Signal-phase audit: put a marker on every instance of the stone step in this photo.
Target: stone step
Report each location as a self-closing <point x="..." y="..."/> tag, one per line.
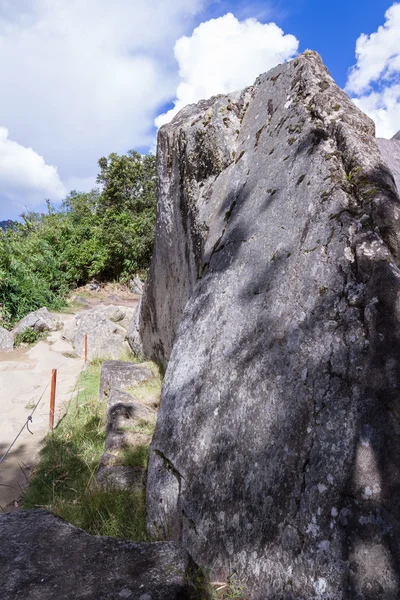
<point x="121" y="375"/>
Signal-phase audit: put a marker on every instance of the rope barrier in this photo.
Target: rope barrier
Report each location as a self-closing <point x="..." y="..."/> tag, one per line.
<point x="29" y="418"/>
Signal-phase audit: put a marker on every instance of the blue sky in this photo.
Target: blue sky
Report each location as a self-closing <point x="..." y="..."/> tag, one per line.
<point x="82" y="79"/>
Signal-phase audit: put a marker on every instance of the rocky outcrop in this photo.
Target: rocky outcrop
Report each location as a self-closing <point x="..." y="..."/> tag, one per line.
<point x="39" y="320"/>
<point x="6" y="340"/>
<point x="390" y="150"/>
<point x="273" y="297"/>
<point x="43" y="558"/>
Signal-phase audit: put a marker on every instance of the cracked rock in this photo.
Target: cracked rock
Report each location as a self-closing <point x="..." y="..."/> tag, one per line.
<point x="273" y="301"/>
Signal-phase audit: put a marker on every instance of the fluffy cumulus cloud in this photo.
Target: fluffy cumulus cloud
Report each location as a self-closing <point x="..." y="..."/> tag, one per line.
<point x="80" y="79"/>
<point x="23" y="171"/>
<point x="225" y="54"/>
<point x="375" y="79"/>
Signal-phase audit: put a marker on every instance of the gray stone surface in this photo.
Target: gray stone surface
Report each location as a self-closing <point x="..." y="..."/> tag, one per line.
<point x="120" y="375"/>
<point x="276" y="282"/>
<point x="69" y="332"/>
<point x="396" y="136"/>
<point x="133" y="335"/>
<point x="136" y="285"/>
<point x="114" y="313"/>
<point x="6" y="340"/>
<point x="45" y="558"/>
<point x="39" y="320"/>
<point x="390" y="150"/>
<point x="105" y="338"/>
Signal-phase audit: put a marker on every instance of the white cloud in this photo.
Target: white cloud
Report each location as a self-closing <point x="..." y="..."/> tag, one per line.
<point x="80" y="79"/>
<point x="223" y="55"/>
<point x="375" y="77"/>
<point x="24" y="171"/>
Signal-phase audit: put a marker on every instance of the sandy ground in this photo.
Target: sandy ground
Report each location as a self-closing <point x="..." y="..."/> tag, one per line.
<point x="24" y="383"/>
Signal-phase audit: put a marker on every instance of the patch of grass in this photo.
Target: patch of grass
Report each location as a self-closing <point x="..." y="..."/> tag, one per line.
<point x="136" y="456"/>
<point x="141" y="426"/>
<point x="128" y="356"/>
<point x="148" y="392"/>
<point x="65" y="478"/>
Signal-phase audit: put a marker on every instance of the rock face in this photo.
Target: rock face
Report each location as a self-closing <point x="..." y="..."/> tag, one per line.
<point x="390" y="150"/>
<point x="43" y="558"/>
<point x="39" y="320"/>
<point x="274" y="297"/>
<point x="6" y="340"/>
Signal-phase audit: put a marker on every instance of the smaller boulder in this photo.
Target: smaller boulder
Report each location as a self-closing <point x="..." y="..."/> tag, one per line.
<point x="121" y="375"/>
<point x="114" y="313"/>
<point x="43" y="558"/>
<point x="6" y="340"/>
<point x="69" y="332"/>
<point x="105" y="338"/>
<point x="39" y="320"/>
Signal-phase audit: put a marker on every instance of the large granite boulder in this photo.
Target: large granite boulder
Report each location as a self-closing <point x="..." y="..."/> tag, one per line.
<point x="39" y="320"/>
<point x="274" y="298"/>
<point x="45" y="558"/>
<point x="6" y="340"/>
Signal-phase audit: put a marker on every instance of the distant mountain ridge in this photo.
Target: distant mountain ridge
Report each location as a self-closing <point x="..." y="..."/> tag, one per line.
<point x="6" y="224"/>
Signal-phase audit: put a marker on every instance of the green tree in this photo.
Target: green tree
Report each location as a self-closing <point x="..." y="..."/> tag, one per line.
<point x="106" y="234"/>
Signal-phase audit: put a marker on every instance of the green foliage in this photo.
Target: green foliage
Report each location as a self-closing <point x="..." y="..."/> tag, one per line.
<point x="105" y="234"/>
<point x="27" y="336"/>
<point x="64" y="481"/>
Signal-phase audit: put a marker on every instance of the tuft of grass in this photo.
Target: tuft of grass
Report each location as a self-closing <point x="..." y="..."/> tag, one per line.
<point x="141" y="426"/>
<point x="148" y="392"/>
<point x="64" y="481"/>
<point x="136" y="456"/>
<point x="202" y="588"/>
<point x="29" y="336"/>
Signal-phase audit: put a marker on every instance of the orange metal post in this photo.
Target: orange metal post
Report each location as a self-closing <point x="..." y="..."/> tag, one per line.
<point x="52" y="397"/>
<point x="85" y="346"/>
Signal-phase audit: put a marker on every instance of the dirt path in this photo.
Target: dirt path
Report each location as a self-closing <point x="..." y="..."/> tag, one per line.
<point x="24" y="383"/>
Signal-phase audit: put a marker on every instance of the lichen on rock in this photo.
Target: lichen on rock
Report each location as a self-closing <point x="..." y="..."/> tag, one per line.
<point x="273" y="301"/>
